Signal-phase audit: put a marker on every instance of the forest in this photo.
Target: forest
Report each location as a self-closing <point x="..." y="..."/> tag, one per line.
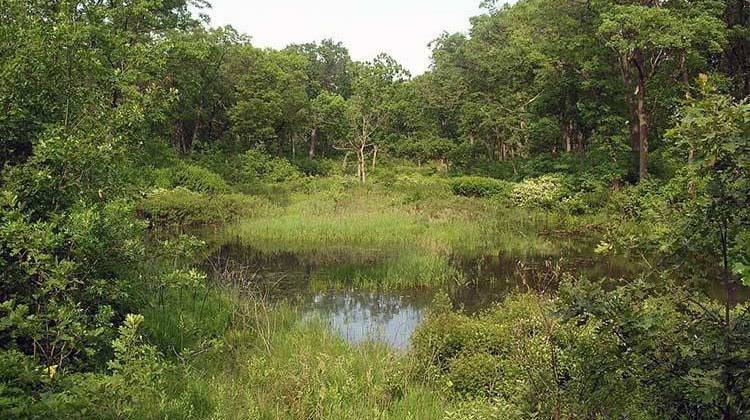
<point x="552" y="222"/>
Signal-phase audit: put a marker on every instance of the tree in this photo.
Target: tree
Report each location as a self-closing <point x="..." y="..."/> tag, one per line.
<point x="329" y="67"/>
<point x="269" y="97"/>
<point x="645" y="35"/>
<point x="195" y="65"/>
<point x="328" y="120"/>
<point x="367" y="109"/>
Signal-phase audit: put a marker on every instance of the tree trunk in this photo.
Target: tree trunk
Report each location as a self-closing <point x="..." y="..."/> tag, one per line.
<point x="346" y="160"/>
<point x="684" y="73"/>
<point x="313" y="142"/>
<point x="179" y="136"/>
<point x="361" y="165"/>
<point x="194" y="138"/>
<point x="374" y="156"/>
<point x="635" y="137"/>
<point x="642" y="128"/>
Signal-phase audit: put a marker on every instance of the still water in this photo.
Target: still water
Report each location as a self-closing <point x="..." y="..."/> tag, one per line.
<point x="389" y="316"/>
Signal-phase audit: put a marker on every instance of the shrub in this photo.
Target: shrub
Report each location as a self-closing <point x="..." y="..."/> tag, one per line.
<point x="480" y="409"/>
<point x="528" y="360"/>
<point x="475" y="186"/>
<point x="545" y="191"/>
<point x="423" y="148"/>
<point x="193" y="177"/>
<point x="182" y="207"/>
<point x="475" y="373"/>
<point x="311" y="167"/>
<point x="259" y="166"/>
<point x="198" y="179"/>
<point x="418" y="187"/>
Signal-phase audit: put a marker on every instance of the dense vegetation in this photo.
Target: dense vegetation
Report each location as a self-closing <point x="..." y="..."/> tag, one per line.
<point x="135" y="139"/>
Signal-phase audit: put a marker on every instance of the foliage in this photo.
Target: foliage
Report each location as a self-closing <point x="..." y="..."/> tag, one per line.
<point x="258" y="166"/>
<point x="669" y="339"/>
<point x="195" y="178"/>
<point x="185" y="208"/>
<point x="526" y="360"/>
<point x="542" y="192"/>
<point x="474" y="186"/>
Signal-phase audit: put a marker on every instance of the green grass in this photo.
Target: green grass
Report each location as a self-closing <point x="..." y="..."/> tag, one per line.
<point x="268" y="364"/>
<point x="230" y="355"/>
<point x="411" y="240"/>
<point x="373" y="220"/>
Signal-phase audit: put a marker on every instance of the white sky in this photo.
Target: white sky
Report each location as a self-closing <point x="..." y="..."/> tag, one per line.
<point x="401" y="28"/>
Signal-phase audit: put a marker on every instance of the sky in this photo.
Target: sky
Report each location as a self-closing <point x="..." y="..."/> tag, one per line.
<point x="401" y="28"/>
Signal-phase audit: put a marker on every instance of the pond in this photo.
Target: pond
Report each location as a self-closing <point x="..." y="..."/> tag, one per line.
<point x="319" y="289"/>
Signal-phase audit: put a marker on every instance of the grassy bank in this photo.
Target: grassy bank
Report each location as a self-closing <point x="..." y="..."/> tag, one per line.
<point x="412" y="230"/>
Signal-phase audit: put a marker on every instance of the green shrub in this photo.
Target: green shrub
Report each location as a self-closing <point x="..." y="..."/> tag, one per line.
<point x="475" y="374"/>
<point x="310" y="167"/>
<point x="483" y="409"/>
<point x="422" y="148"/>
<point x="475" y="186"/>
<point x="418" y="187"/>
<point x="545" y="191"/>
<point x="527" y="359"/>
<point x="193" y="177"/>
<point x="259" y="166"/>
<point x="182" y="207"/>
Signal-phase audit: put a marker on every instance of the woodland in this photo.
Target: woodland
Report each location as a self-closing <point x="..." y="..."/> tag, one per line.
<point x="555" y="216"/>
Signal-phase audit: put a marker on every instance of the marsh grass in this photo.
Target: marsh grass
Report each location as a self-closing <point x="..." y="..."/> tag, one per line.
<point x="235" y="355"/>
<point x="407" y="270"/>
<point x="411" y="240"/>
<point x="269" y="364"/>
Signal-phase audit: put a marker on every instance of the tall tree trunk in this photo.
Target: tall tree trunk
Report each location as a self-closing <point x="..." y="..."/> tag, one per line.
<point x="179" y="137"/>
<point x="374" y="155"/>
<point x="635" y="137"/>
<point x="361" y="165"/>
<point x="684" y="73"/>
<point x="194" y="137"/>
<point x="642" y="128"/>
<point x="313" y="142"/>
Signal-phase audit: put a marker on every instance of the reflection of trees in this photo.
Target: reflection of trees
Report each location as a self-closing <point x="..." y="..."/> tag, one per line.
<point x="260" y="274"/>
<point x="361" y="304"/>
<point x="359" y="315"/>
<point x="489" y="278"/>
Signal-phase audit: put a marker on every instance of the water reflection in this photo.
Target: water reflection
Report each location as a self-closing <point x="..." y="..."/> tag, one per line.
<point x="360" y="316"/>
<point x="389" y="316"/>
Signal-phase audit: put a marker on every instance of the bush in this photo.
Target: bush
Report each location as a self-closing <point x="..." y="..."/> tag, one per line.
<point x="475" y="186"/>
<point x="475" y="373"/>
<point x="198" y="179"/>
<point x="182" y="207"/>
<point x="423" y="148"/>
<point x="193" y="177"/>
<point x="545" y="191"/>
<point x="418" y="187"/>
<point x="528" y="361"/>
<point x="259" y="166"/>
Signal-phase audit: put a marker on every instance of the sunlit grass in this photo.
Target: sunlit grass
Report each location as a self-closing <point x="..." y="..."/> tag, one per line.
<point x="272" y="365"/>
<point x="376" y="220"/>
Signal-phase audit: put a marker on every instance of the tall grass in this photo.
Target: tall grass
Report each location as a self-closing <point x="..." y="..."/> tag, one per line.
<point x="252" y="360"/>
<point x="416" y="238"/>
<point x="408" y="270"/>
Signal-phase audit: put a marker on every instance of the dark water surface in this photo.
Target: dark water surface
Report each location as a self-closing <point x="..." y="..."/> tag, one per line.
<point x="390" y="316"/>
